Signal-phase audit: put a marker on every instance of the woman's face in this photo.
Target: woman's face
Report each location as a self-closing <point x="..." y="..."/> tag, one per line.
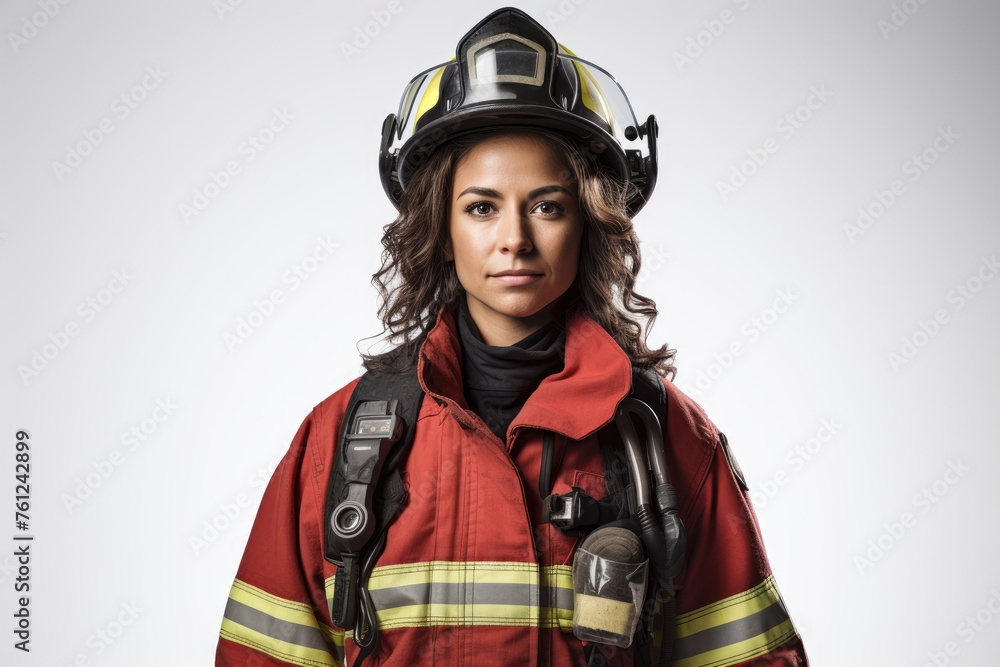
<point x="515" y="229"/>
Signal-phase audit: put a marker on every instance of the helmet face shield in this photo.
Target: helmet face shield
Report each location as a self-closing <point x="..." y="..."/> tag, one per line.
<point x="510" y="72"/>
<point x="600" y="101"/>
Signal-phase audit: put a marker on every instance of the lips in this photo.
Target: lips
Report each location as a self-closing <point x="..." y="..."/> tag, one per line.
<point x="516" y="272"/>
<point x="517" y="276"/>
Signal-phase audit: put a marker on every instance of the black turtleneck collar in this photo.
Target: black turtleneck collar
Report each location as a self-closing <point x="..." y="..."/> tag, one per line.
<point x="498" y="380"/>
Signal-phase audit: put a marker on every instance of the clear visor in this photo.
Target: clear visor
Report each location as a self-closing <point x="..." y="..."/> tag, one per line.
<point x="599" y="92"/>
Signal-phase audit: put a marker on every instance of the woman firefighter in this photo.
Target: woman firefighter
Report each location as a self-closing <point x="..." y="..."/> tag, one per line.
<point x="517" y="481"/>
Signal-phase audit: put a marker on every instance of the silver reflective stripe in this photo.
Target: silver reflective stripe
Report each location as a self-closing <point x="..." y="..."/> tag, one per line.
<point x="472" y="593"/>
<point x="291" y="633"/>
<point x="733" y="632"/>
<point x="285" y="629"/>
<point x="443" y="593"/>
<point x="557" y="597"/>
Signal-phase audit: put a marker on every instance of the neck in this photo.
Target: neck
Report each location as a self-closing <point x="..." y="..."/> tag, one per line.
<point x="501" y="330"/>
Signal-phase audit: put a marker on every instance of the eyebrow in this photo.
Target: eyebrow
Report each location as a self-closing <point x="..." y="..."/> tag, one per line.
<point x="489" y="192"/>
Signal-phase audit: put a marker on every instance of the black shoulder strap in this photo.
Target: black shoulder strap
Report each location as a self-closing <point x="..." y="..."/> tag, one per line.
<point x="351" y="606"/>
<point x="545" y="470"/>
<point x="374" y="386"/>
<point x="648" y="388"/>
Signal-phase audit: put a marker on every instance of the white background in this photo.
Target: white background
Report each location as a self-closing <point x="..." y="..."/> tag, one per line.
<point x="861" y="590"/>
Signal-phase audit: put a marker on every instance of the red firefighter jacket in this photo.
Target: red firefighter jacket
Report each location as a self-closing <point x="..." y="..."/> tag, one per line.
<point x="470" y="574"/>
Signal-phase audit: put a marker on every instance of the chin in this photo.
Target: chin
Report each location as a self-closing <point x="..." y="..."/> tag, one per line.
<point x="524" y="312"/>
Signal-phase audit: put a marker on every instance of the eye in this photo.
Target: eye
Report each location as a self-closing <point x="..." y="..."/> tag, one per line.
<point x="479" y="209"/>
<point x="550" y="208"/>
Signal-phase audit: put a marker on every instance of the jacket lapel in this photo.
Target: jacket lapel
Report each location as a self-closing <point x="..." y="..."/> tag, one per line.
<point x="574" y="402"/>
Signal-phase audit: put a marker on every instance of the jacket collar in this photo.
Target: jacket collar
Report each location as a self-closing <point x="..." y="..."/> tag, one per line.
<point x="575" y="402"/>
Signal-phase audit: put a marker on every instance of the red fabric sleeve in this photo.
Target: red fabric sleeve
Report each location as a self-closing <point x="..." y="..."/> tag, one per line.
<point x="277" y="612"/>
<point x="730" y="611"/>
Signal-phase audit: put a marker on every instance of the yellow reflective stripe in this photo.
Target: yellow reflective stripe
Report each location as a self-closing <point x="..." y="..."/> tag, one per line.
<point x="448" y="572"/>
<point x="293" y="653"/>
<point x="742" y="651"/>
<point x="424" y="615"/>
<point x="329" y="586"/>
<point x="560" y="577"/>
<point x="730" y="609"/>
<point x="471" y="593"/>
<point x="282" y="628"/>
<point x="733" y="630"/>
<point x="286" y="610"/>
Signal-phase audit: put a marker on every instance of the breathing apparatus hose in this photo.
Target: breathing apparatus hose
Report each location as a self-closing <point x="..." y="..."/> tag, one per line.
<point x="661" y="529"/>
<point x="366" y="626"/>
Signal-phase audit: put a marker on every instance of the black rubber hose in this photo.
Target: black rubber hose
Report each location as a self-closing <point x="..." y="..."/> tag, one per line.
<point x="668" y="629"/>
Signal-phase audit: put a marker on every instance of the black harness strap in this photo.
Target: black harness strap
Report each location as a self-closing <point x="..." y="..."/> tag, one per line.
<point x="374" y="386"/>
<point x="351" y="605"/>
<point x="648" y="388"/>
<point x="545" y="470"/>
<point x="594" y="657"/>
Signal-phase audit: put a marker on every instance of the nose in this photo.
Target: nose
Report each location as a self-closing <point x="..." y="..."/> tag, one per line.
<point x="513" y="235"/>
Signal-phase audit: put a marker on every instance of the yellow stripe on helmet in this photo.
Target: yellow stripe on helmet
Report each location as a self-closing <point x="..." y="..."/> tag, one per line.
<point x="431" y="95"/>
<point x="590" y="91"/>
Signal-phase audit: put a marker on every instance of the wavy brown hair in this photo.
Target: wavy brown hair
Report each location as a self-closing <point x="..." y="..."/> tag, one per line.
<point x="416" y="280"/>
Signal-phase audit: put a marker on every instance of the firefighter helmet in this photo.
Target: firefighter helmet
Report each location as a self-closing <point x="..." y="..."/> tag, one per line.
<point x="509" y="71"/>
